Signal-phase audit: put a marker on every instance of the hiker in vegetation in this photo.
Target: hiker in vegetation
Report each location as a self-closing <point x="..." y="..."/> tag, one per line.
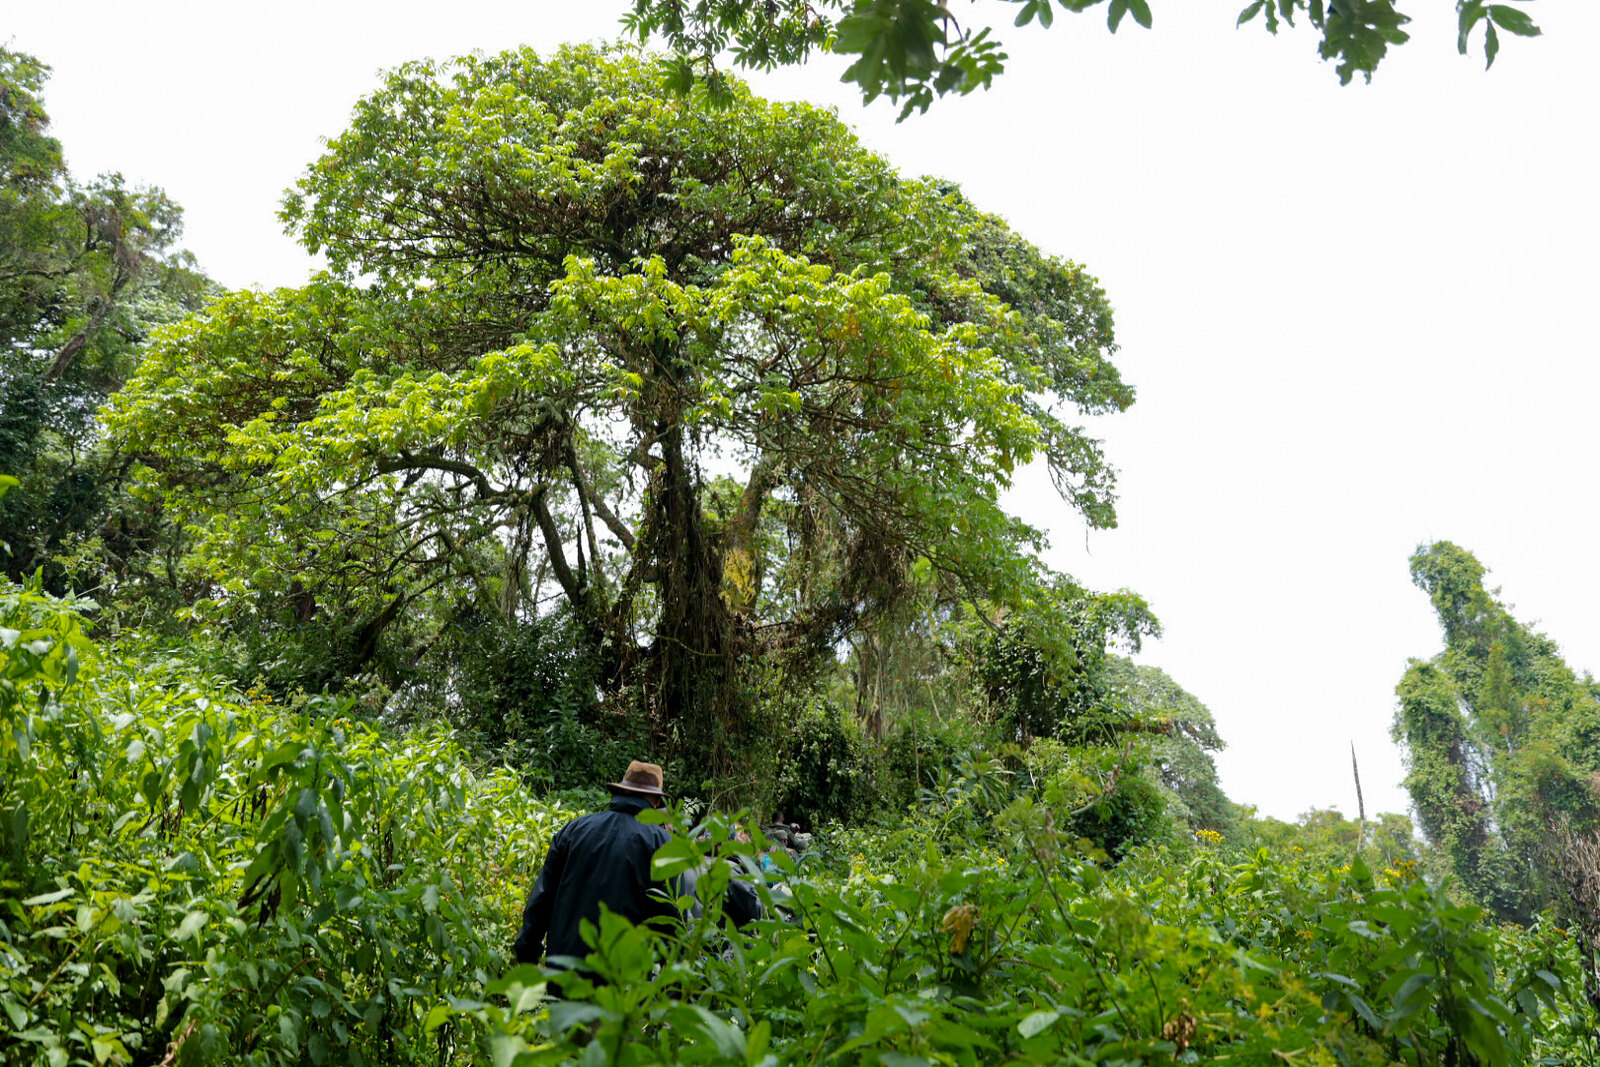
<point x="786" y="835"/>
<point x="603" y="858"/>
<point x="741" y="904"/>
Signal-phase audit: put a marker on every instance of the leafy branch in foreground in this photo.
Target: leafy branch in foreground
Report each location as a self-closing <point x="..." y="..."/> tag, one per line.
<point x="916" y="50"/>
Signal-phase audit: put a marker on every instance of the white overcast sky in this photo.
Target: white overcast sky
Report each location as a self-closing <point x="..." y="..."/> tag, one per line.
<point x="1358" y="319"/>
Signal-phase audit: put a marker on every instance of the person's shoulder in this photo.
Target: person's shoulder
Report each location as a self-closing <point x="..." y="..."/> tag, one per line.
<point x="578" y="825"/>
<point x="650" y="831"/>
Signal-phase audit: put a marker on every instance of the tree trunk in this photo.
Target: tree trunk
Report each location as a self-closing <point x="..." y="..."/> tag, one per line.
<point x="694" y="702"/>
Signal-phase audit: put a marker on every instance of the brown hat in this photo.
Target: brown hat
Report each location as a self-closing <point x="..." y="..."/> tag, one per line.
<point x="642" y="779"/>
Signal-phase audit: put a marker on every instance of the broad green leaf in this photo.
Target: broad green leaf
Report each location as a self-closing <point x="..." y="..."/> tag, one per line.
<point x="1038" y="1022"/>
<point x="565" y="1015"/>
<point x="1513" y="20"/>
<point x="48" y="898"/>
<point x="191" y="925"/>
<point x="504" y="1049"/>
<point x="673" y="858"/>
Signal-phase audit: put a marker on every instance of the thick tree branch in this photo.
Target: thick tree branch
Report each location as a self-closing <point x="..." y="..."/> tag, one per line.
<point x="405" y="461"/>
<point x="76" y="342"/>
<point x="742" y="570"/>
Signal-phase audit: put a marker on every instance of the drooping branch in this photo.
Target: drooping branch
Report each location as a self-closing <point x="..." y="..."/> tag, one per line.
<point x="76" y="342"/>
<point x="598" y="502"/>
<point x="642" y="456"/>
<point x="585" y="510"/>
<point x="577" y="595"/>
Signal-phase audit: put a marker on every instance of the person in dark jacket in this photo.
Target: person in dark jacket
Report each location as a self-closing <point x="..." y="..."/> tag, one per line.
<point x="597" y="859"/>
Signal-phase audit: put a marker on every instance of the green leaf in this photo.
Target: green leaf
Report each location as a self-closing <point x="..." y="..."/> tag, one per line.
<point x="728" y="1039"/>
<point x="305" y="806"/>
<point x="505" y="1048"/>
<point x="191" y="925"/>
<point x="1037" y="1023"/>
<point x="1408" y="990"/>
<point x="1471" y="12"/>
<point x="568" y="1014"/>
<point x="48" y="898"/>
<point x="673" y="858"/>
<point x="858" y="33"/>
<point x="285" y="753"/>
<point x="151" y="787"/>
<point x="1513" y="20"/>
<point x="1141" y="12"/>
<point x="1364" y="1010"/>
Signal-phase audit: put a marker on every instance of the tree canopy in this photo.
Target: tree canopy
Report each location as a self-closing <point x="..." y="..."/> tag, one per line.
<point x="715" y="380"/>
<point x="916" y="50"/>
<point x="87" y="269"/>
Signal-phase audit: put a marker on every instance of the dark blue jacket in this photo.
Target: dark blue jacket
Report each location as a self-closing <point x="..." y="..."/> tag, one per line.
<point x="596" y="859"/>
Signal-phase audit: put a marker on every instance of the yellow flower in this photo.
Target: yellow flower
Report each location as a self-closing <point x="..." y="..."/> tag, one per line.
<point x="959" y="922"/>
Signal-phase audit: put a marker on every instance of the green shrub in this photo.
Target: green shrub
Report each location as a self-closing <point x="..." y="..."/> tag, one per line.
<point x="1110" y="797"/>
<point x="191" y="867"/>
<point x="824" y="769"/>
<point x="528" y="697"/>
<point x="195" y="876"/>
<point x="916" y="756"/>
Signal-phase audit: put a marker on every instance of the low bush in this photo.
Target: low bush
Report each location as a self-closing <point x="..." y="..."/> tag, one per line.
<point x="194" y="876"/>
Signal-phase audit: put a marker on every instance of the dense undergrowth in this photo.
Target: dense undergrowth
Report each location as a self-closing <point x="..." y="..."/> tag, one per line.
<point x="193" y="875"/>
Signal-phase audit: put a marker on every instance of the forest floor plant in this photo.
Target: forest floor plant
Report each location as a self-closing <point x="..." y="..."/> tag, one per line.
<point x="196" y="876"/>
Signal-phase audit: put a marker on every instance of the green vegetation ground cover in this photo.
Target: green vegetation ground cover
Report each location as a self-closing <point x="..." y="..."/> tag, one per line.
<point x="194" y="875"/>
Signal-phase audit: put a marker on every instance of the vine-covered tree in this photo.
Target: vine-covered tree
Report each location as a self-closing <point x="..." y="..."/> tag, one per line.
<point x="715" y="378"/>
<point x="1182" y="736"/>
<point x="1502" y="745"/>
<point x="1067" y="689"/>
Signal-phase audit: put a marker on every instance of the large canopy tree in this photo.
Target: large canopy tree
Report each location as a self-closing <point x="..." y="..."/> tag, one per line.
<point x="715" y="378"/>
